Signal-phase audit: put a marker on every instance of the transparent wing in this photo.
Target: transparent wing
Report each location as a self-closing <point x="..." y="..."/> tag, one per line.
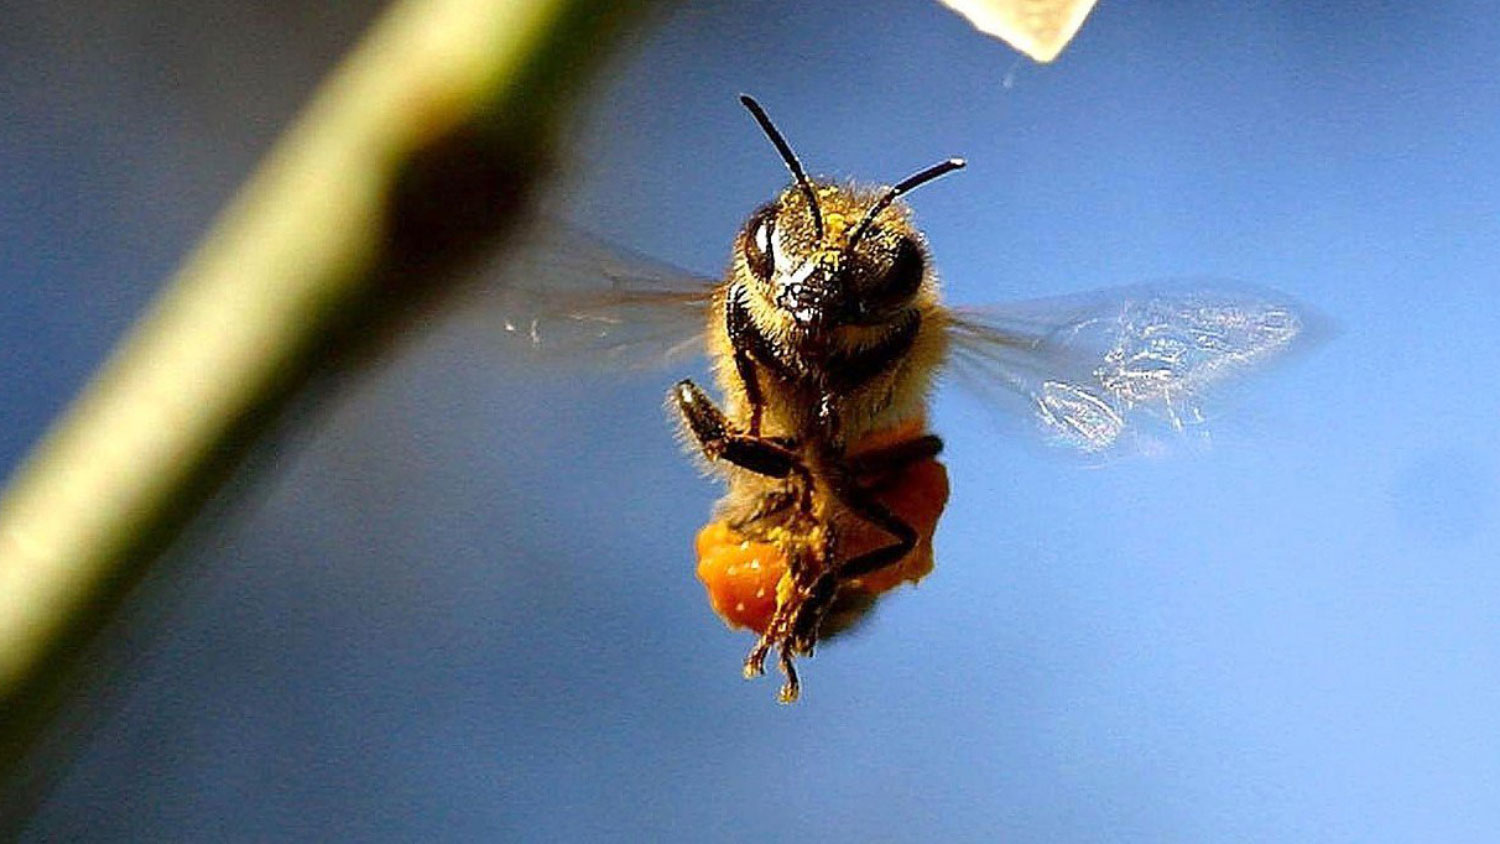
<point x="1125" y="370"/>
<point x="560" y="296"/>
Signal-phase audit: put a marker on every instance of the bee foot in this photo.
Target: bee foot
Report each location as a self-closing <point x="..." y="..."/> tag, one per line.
<point x="792" y="688"/>
<point x="755" y="663"/>
<point x="809" y="616"/>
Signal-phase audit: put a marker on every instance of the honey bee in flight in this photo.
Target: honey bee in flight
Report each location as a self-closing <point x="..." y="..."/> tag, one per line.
<point x="826" y="336"/>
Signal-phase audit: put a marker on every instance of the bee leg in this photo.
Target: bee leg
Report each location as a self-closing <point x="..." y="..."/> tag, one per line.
<point x="793" y="628"/>
<point x="875" y="464"/>
<point x="746" y="369"/>
<point x="819" y="597"/>
<point x="781" y="634"/>
<point x="776" y="631"/>
<point x="861" y="500"/>
<point x="719" y="441"/>
<point x="742" y="337"/>
<point x="755" y="663"/>
<point x="803" y="635"/>
<point x="792" y="688"/>
<point x="864" y="504"/>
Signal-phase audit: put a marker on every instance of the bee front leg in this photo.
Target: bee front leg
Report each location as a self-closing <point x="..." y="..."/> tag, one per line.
<point x="719" y="440"/>
<point x="745" y="367"/>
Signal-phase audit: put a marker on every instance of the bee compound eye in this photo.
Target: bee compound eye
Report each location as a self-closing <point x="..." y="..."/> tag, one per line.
<point x="758" y="248"/>
<point x="905" y="274"/>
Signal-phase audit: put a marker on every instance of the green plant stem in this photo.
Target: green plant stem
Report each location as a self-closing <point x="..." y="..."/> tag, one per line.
<point x="413" y="156"/>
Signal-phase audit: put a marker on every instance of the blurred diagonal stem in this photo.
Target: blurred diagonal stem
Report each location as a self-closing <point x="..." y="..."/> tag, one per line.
<point x="414" y="158"/>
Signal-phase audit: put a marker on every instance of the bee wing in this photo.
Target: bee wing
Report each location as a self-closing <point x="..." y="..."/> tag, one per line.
<point x="1124" y="370"/>
<point x="561" y="296"/>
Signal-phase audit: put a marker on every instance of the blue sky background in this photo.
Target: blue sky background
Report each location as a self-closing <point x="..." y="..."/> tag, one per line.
<point x="461" y="601"/>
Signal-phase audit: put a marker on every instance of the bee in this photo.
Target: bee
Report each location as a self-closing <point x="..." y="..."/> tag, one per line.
<point x="827" y="334"/>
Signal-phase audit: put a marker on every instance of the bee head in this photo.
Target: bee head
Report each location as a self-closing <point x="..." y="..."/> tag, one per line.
<point x="828" y="255"/>
<point x="831" y="279"/>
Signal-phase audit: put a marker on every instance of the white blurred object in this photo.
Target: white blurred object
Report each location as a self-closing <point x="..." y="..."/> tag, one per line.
<point x="1038" y="28"/>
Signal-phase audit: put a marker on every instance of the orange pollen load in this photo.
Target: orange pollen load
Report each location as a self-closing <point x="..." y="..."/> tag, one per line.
<point x="742" y="576"/>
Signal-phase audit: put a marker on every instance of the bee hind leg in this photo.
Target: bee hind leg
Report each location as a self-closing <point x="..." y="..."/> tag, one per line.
<point x="779" y="635"/>
<point x="893" y="458"/>
<point x="863" y="503"/>
<point x="755" y="663"/>
<point x="806" y="620"/>
<point x="792" y="688"/>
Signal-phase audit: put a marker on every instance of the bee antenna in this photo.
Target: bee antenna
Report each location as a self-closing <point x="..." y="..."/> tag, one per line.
<point x="942" y="168"/>
<point x="789" y="157"/>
